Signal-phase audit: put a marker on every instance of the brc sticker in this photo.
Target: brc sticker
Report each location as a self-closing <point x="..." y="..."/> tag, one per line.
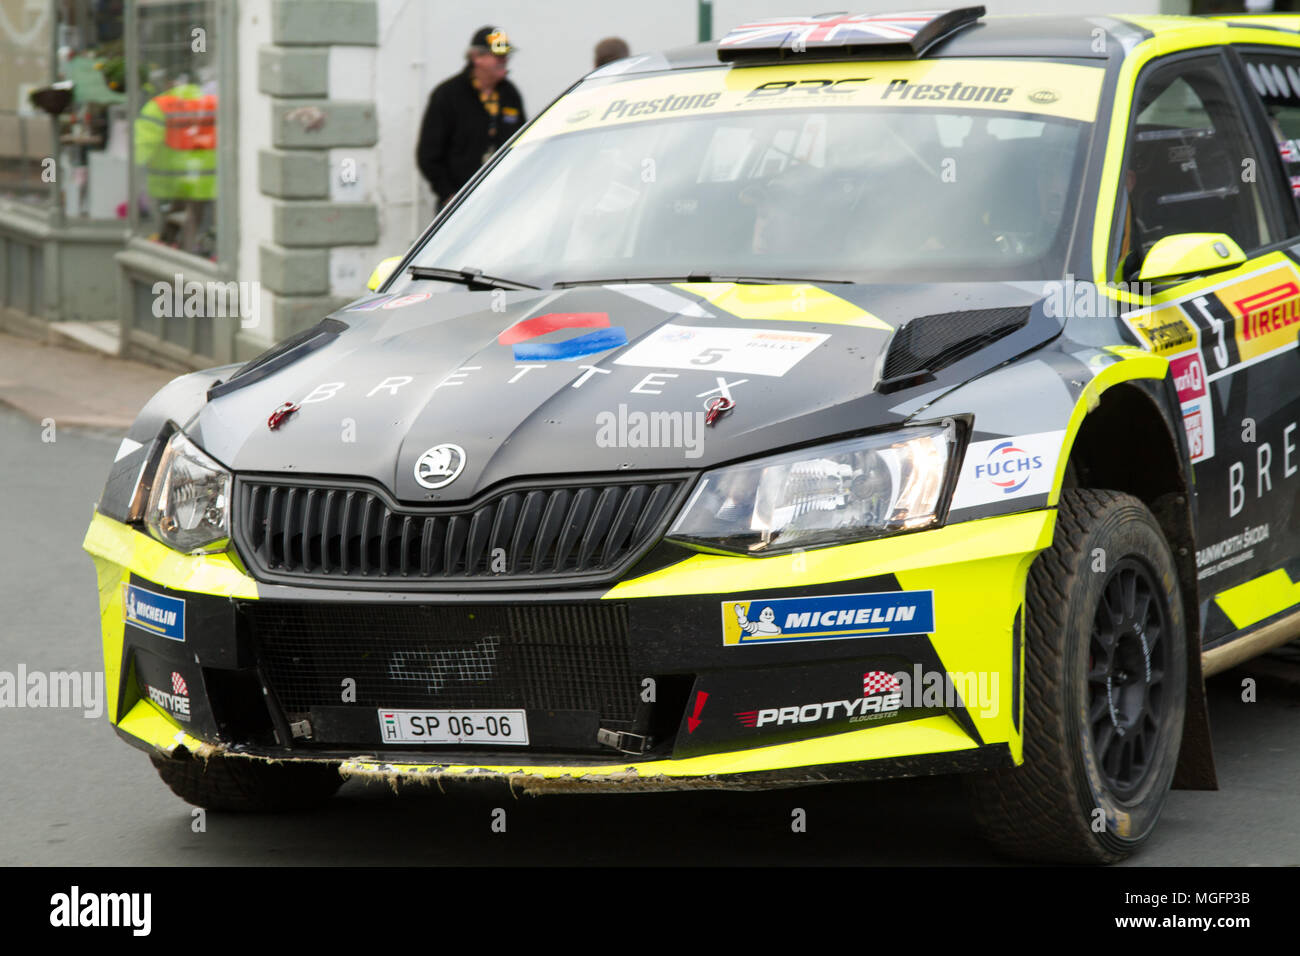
<point x="752" y="351"/>
<point x="155" y="613"/>
<point x="837" y="616"/>
<point x="1003" y="468"/>
<point x="1066" y="90"/>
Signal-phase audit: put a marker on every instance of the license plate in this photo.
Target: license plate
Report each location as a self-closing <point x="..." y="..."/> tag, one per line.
<point x="496" y="727"/>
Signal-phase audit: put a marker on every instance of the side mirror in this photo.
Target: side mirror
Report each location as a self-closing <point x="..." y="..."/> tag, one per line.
<point x="1190" y="253"/>
<point x="382" y="272"/>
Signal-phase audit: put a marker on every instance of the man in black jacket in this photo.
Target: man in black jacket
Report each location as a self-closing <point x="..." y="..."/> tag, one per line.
<point x="469" y="116"/>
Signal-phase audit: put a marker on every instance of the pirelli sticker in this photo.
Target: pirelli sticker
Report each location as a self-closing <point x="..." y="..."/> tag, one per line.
<point x="1267" y="311"/>
<point x="1064" y="90"/>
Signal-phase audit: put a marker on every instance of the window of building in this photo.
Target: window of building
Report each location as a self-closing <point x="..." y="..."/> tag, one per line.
<point x="26" y="132"/>
<point x="174" y="136"/>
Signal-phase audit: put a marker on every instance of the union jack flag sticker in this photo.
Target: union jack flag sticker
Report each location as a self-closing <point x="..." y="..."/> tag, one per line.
<point x="831" y="29"/>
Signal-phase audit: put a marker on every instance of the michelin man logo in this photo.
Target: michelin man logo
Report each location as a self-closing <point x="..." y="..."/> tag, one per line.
<point x="766" y="623"/>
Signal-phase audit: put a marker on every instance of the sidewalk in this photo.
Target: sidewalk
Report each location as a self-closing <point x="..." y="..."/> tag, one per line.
<point x="73" y="387"/>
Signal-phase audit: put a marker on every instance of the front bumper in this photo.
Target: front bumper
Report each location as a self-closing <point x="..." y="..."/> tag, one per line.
<point x="721" y="710"/>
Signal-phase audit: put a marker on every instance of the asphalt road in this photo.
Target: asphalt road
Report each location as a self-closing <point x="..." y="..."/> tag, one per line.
<point x="72" y="793"/>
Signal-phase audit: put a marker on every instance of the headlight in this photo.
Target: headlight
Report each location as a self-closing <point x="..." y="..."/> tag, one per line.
<point x="189" y="503"/>
<point x="830" y="494"/>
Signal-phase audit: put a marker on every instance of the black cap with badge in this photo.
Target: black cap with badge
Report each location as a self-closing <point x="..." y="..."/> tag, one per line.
<point x="493" y="40"/>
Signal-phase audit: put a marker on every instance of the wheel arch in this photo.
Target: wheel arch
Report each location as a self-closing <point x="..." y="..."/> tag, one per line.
<point x="1127" y="442"/>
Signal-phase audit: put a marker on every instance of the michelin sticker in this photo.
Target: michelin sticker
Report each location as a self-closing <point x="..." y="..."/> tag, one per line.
<point x="753" y="351"/>
<point x="156" y="613"/>
<point x="1004" y="468"/>
<point x="827" y="618"/>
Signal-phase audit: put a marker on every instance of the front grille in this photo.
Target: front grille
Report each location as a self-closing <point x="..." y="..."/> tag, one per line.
<point x="537" y="657"/>
<point x="288" y="530"/>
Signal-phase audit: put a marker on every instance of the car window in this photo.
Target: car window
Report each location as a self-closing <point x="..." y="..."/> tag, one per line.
<point x="927" y="170"/>
<point x="1275" y="81"/>
<point x="832" y="193"/>
<point x="1187" y="167"/>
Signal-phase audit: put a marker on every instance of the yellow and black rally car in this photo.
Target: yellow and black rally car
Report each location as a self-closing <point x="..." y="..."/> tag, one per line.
<point x="857" y="396"/>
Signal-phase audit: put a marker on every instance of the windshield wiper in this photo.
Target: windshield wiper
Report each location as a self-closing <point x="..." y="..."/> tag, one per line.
<point x="696" y="277"/>
<point x="474" y="278"/>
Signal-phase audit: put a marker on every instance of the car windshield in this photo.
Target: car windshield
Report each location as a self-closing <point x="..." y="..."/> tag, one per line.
<point x="882" y="180"/>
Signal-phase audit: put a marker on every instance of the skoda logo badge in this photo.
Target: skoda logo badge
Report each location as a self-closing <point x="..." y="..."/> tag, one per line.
<point x="439" y="466"/>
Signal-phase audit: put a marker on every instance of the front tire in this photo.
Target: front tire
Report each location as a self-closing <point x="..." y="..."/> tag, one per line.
<point x="248" y="785"/>
<point x="1105" y="690"/>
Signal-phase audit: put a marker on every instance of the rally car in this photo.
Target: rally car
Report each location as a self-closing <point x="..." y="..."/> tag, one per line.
<point x="855" y="397"/>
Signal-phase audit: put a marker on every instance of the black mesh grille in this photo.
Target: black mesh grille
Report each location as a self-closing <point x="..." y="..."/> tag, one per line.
<point x="318" y="532"/>
<point x="931" y="342"/>
<point x="539" y="657"/>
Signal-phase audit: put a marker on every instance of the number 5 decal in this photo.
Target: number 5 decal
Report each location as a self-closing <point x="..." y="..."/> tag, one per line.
<point x="1216" y="325"/>
<point x="709" y="356"/>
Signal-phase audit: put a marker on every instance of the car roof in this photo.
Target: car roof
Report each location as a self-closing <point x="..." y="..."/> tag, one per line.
<point x="1053" y="36"/>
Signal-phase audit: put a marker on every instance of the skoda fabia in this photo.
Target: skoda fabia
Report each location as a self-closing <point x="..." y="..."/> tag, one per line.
<point x="854" y="397"/>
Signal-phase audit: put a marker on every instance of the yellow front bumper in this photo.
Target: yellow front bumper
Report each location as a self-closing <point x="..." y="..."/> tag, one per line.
<point x="977" y="570"/>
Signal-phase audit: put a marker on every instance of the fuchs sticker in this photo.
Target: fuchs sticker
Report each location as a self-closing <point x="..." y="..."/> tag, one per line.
<point x="752" y="351"/>
<point x="155" y="613"/>
<point x="829" y="618"/>
<point x="881" y="696"/>
<point x="1004" y="468"/>
<point x="175" y="700"/>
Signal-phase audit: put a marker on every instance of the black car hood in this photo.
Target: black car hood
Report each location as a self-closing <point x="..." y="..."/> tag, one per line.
<point x="505" y="378"/>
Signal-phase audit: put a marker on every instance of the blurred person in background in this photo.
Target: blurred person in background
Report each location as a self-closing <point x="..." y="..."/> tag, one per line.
<point x="469" y="116"/>
<point x="176" y="143"/>
<point x="610" y="49"/>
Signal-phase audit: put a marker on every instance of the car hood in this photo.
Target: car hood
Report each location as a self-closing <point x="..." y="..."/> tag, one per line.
<point x="604" y="379"/>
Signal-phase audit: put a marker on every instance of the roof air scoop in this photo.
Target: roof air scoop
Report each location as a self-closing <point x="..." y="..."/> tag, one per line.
<point x="844" y="35"/>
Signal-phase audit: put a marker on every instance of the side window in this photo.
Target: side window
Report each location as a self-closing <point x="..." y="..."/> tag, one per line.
<point x="1275" y="80"/>
<point x="1188" y="166"/>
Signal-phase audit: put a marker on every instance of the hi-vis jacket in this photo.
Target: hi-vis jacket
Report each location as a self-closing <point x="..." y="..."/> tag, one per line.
<point x="176" y="142"/>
